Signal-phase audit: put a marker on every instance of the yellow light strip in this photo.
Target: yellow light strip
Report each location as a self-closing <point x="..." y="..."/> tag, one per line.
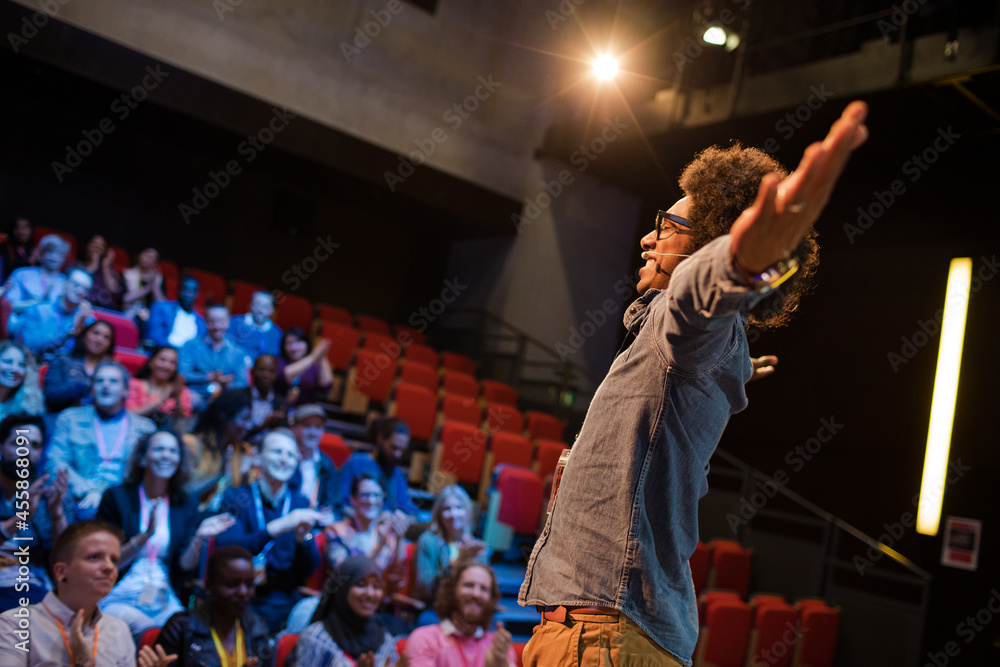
<point x="956" y="305"/>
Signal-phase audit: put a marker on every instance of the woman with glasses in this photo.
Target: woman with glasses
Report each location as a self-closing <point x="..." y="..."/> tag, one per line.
<point x="369" y="532"/>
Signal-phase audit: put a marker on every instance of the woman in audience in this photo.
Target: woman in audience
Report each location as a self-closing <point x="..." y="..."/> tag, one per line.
<point x="97" y="260"/>
<point x="344" y="631"/>
<point x="447" y="541"/>
<point x="224" y="459"/>
<point x="304" y="373"/>
<point x="67" y="382"/>
<point x="369" y="532"/>
<point x="19" y="390"/>
<point x="222" y="630"/>
<point x="18" y="249"/>
<point x="159" y="519"/>
<point x="143" y="286"/>
<point x="158" y="391"/>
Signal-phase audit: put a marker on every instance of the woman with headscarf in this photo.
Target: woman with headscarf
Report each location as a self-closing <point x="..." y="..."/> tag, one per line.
<point x="344" y="631"/>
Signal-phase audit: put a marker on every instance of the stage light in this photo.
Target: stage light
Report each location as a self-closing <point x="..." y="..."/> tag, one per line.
<point x="714" y="35"/>
<point x="605" y="67"/>
<point x="956" y="305"/>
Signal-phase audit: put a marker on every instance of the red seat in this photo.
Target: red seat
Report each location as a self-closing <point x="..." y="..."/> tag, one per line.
<point x="149" y="637"/>
<point x="169" y="270"/>
<point x="458" y="362"/>
<point x="820" y="625"/>
<point x="511" y="448"/>
<point x="543" y="427"/>
<point x="293" y="311"/>
<point x="65" y="236"/>
<point x="126" y="332"/>
<point x="422" y="353"/>
<point x="519" y="651"/>
<point x="373" y="374"/>
<point x="43" y="370"/>
<point x="454" y="382"/>
<point x="760" y="600"/>
<point x="382" y="343"/>
<point x="500" y="417"/>
<point x="373" y="325"/>
<point x="414" y="336"/>
<point x="343" y="342"/>
<point x="731" y="566"/>
<point x="770" y="642"/>
<point x="708" y="598"/>
<point x="421" y="374"/>
<point x="213" y="286"/>
<point x="170" y="291"/>
<point x="416" y="405"/>
<point x="322" y="571"/>
<point x="460" y="452"/>
<point x="130" y="359"/>
<point x="521" y="493"/>
<point x="400" y="646"/>
<point x="725" y="633"/>
<point x="499" y="392"/>
<point x="699" y="566"/>
<point x="285" y="646"/>
<point x="455" y="407"/>
<point x="5" y="311"/>
<point x="242" y="296"/>
<point x="121" y="260"/>
<point x="334" y="314"/>
<point x="549" y="452"/>
<point x="333" y="445"/>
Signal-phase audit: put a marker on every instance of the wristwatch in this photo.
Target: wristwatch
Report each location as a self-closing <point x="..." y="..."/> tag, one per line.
<point x="769" y="278"/>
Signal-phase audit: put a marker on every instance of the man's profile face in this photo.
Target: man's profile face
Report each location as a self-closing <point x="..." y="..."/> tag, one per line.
<point x="655" y="274"/>
<point x="394" y="447"/>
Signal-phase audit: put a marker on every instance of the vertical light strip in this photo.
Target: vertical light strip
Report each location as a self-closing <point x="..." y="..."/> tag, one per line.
<point x="956" y="305"/>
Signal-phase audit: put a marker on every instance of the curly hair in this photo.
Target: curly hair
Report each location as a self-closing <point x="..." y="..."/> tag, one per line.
<point x="445" y="604"/>
<point x="723" y="182"/>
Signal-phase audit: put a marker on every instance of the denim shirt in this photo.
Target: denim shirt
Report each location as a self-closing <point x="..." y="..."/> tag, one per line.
<point x="625" y="520"/>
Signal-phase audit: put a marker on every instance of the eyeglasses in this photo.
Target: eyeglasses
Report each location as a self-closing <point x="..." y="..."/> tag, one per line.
<point x="666" y="225"/>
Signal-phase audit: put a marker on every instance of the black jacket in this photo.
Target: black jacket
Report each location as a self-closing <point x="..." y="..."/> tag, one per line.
<point x="189" y="635"/>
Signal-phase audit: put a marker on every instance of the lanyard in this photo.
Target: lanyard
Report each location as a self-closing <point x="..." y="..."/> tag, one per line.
<point x="62" y="631"/>
<point x="261" y="522"/>
<point x="118" y="444"/>
<point x="146" y="517"/>
<point x="238" y="650"/>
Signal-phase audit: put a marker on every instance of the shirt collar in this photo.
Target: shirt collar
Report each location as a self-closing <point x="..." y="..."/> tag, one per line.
<point x="635" y="315"/>
<point x="59" y="609"/>
<point x="255" y="394"/>
<point x="449" y="629"/>
<point x="263" y="328"/>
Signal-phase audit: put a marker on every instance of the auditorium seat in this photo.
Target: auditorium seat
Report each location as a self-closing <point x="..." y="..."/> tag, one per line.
<point x="464" y="384"/>
<point x="773" y="636"/>
<point x="731" y="566"/>
<point x="169" y="270"/>
<point x="456" y="407"/>
<point x="213" y="286"/>
<point x="369" y="378"/>
<point x="458" y="362"/>
<point x="381" y="343"/>
<point x="130" y="359"/>
<point x="422" y="353"/>
<point x="758" y="601"/>
<point x="374" y="325"/>
<point x="722" y="641"/>
<point x="285" y="646"/>
<point x="170" y="290"/>
<point x="343" y="342"/>
<point x="126" y="332"/>
<point x="418" y="373"/>
<point x="149" y="637"/>
<point x="65" y="236"/>
<point x="710" y="597"/>
<point x="819" y="626"/>
<point x="505" y="448"/>
<point x="334" y="314"/>
<point x="322" y="571"/>
<point x="543" y="426"/>
<point x="43" y="370"/>
<point x="293" y="311"/>
<point x="121" y="260"/>
<point x="548" y="455"/>
<point x="519" y="652"/>
<point x="458" y="455"/>
<point x="416" y="406"/>
<point x="499" y="392"/>
<point x="521" y="494"/>
<point x="414" y="335"/>
<point x="699" y="567"/>
<point x="242" y="296"/>
<point x="333" y="445"/>
<point x="500" y="417"/>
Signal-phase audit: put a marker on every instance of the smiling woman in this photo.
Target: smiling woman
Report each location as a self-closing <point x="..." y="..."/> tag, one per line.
<point x="19" y="391"/>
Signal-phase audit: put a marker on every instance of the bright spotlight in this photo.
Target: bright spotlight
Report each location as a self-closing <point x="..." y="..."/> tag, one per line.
<point x="605" y="67"/>
<point x="715" y="35"/>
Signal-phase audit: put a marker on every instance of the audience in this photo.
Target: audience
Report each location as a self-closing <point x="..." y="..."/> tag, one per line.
<point x="66" y="625"/>
<point x="158" y="391"/>
<point x="19" y="390"/>
<point x="94" y="442"/>
<point x="466" y="603"/>
<point x="254" y="331"/>
<point x="224" y="459"/>
<point x="176" y="322"/>
<point x="213" y="362"/>
<point x="368" y="532"/>
<point x="447" y="541"/>
<point x="18" y="249"/>
<point x="22" y="437"/>
<point x="143" y="287"/>
<point x="274" y="523"/>
<point x="165" y="539"/>
<point x="222" y="630"/>
<point x="392" y="438"/>
<point x="68" y="380"/>
<point x="98" y="261"/>
<point x="345" y="630"/>
<point x="30" y="285"/>
<point x="317" y="478"/>
<point x="267" y="408"/>
<point x="48" y="328"/>
<point x="304" y="373"/>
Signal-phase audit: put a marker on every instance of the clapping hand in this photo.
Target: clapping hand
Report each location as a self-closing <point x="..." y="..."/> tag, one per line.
<point x="762" y="367"/>
<point x="154" y="656"/>
<point x="496" y="656"/>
